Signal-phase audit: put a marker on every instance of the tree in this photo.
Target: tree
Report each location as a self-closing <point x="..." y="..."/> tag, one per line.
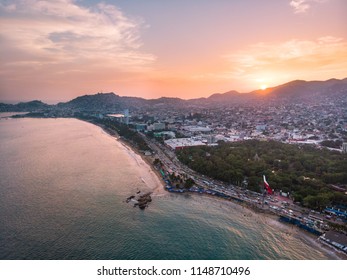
<point x="189" y="183"/>
<point x="304" y="171"/>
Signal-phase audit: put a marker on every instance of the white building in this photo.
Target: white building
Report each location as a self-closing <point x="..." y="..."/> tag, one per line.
<point x="156" y="126"/>
<point x="194" y="128"/>
<point x="180" y="143"/>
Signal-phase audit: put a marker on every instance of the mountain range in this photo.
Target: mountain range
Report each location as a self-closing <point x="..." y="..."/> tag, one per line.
<point x="298" y="91"/>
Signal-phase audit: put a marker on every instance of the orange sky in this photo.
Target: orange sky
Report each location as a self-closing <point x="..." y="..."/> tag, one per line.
<point x="57" y="50"/>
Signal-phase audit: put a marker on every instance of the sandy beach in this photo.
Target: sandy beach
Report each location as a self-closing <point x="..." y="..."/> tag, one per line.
<point x="150" y="177"/>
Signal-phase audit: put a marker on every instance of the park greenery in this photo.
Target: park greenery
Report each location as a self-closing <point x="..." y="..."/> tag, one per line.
<point x="307" y="173"/>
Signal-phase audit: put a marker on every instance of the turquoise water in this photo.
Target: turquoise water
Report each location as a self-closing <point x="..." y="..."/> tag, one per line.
<point x="63" y="184"/>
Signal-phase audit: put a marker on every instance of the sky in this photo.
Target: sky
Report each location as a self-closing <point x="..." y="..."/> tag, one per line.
<point x="57" y="50"/>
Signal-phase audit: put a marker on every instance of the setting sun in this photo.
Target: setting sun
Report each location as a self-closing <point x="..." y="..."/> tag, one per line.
<point x="83" y="47"/>
<point x="263" y="87"/>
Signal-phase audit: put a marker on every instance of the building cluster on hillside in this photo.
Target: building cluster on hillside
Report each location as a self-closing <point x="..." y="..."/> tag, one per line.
<point x="185" y="126"/>
<point x="296" y="123"/>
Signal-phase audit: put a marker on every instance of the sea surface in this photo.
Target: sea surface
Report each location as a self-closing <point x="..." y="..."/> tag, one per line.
<point x="63" y="186"/>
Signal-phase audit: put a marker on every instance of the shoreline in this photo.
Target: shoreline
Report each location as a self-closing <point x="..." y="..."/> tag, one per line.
<point x="159" y="189"/>
<point x="289" y="229"/>
<point x="301" y="234"/>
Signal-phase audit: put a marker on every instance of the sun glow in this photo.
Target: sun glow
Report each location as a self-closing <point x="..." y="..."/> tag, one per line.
<point x="263" y="87"/>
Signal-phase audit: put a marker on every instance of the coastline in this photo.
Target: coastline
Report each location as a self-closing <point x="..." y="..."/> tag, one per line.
<point x="159" y="183"/>
<point x="286" y="229"/>
<point x="159" y="189"/>
<point x="266" y="217"/>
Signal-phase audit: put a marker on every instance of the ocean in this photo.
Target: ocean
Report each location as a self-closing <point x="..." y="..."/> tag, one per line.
<point x="63" y="186"/>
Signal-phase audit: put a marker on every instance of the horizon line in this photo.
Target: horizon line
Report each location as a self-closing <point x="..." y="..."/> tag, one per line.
<point x="49" y="102"/>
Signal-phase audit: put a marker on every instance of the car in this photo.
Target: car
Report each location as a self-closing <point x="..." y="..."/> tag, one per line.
<point x="328" y="217"/>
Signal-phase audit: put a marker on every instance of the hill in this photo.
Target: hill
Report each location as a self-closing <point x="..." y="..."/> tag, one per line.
<point x="31" y="106"/>
<point x="293" y="92"/>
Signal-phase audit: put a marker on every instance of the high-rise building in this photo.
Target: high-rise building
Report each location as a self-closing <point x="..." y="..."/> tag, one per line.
<point x="344" y="147"/>
<point x="126" y="116"/>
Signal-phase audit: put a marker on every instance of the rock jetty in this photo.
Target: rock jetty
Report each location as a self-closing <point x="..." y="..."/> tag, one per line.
<point x="142" y="201"/>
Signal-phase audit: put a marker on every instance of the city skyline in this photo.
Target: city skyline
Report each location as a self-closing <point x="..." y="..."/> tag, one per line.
<point x="58" y="51"/>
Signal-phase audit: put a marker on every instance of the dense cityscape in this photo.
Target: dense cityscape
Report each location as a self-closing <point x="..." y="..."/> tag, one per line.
<point x="297" y="123"/>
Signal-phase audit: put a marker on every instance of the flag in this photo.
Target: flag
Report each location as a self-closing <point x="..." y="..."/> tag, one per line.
<point x="267" y="186"/>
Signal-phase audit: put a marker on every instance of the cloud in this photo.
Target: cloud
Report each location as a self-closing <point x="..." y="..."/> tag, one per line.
<point x="61" y="34"/>
<point x="301" y="6"/>
<point x="264" y="54"/>
<point x="274" y="63"/>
